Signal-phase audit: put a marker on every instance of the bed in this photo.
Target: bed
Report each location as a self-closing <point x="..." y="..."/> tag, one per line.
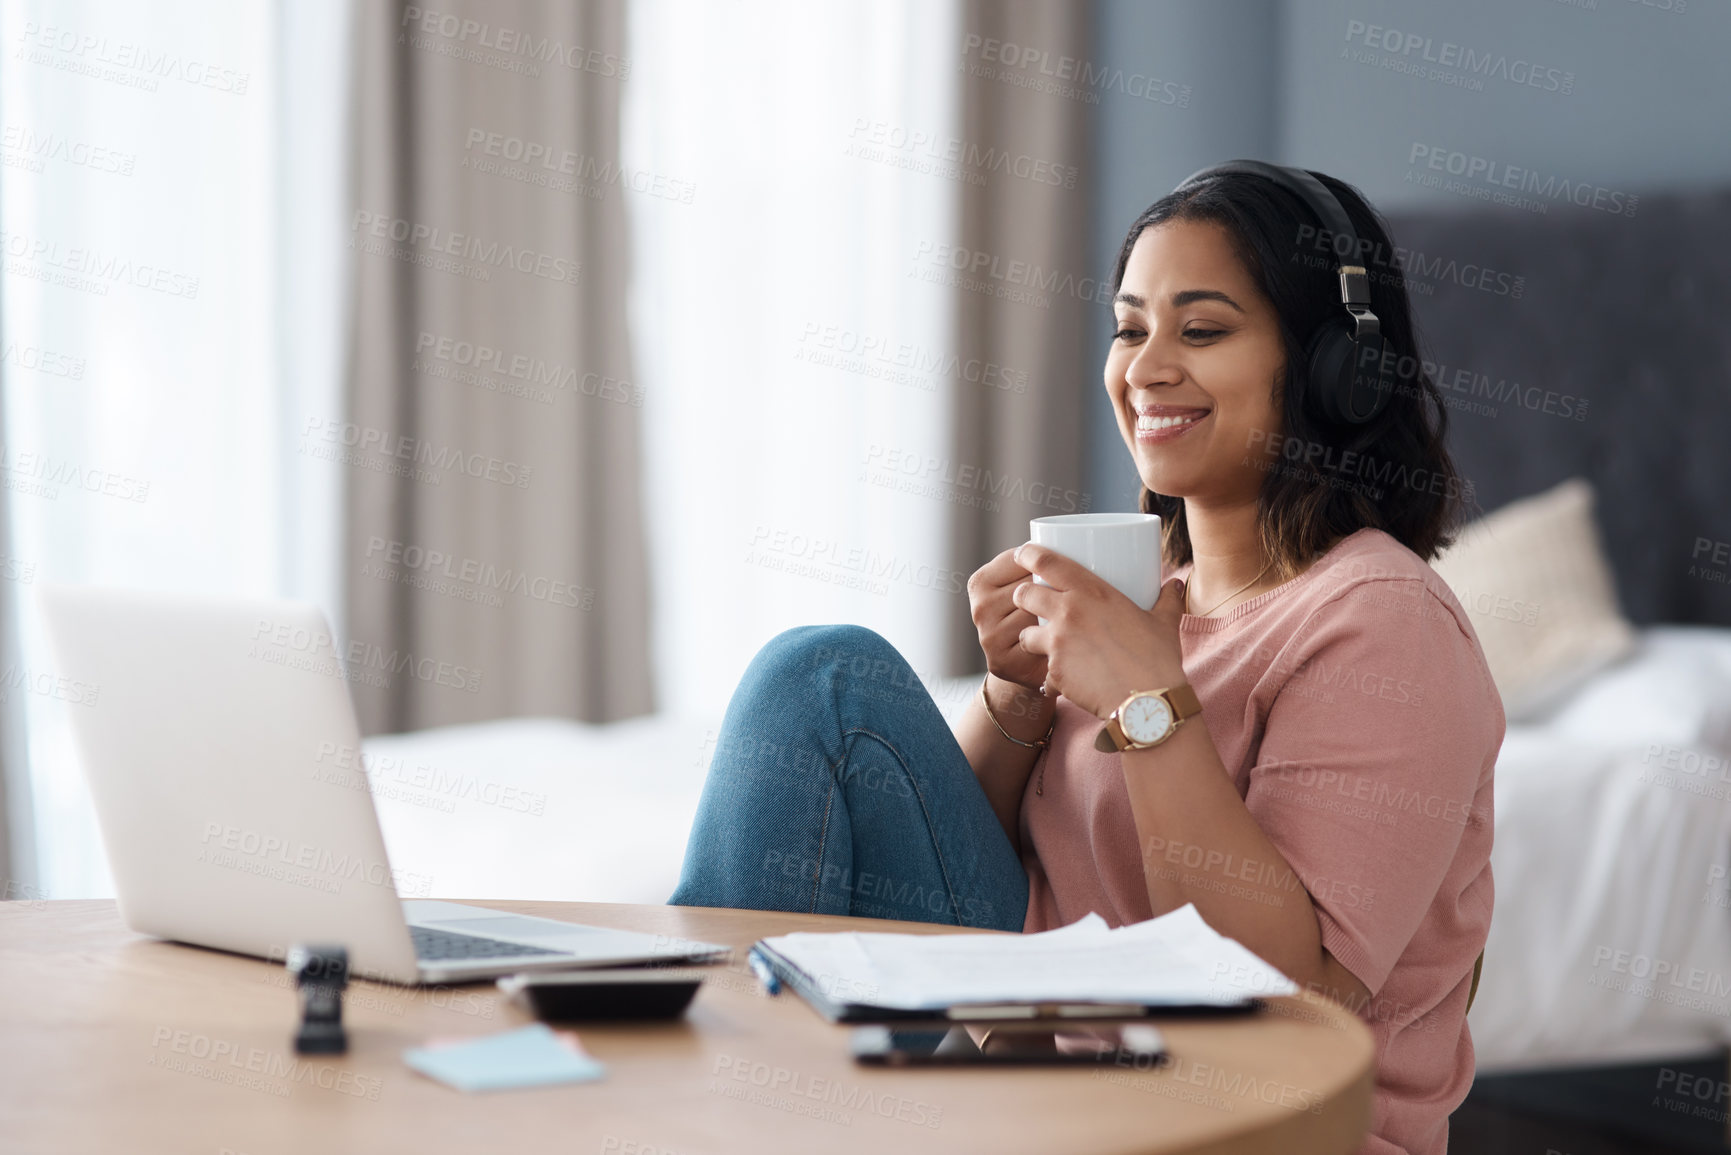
<point x="1600" y="846"/>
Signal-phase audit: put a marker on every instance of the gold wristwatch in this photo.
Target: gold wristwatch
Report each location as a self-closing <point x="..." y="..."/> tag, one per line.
<point x="1147" y="718"/>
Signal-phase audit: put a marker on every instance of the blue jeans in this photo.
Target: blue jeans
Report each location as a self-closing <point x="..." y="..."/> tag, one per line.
<point x="838" y="788"/>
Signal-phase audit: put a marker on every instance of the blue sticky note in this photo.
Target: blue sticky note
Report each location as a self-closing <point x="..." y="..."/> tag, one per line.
<point x="530" y="1057"/>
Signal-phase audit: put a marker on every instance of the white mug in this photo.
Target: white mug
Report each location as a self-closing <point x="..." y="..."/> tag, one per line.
<point x="1123" y="548"/>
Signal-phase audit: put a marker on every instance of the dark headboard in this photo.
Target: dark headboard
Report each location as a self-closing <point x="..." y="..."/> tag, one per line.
<point x="1631" y="314"/>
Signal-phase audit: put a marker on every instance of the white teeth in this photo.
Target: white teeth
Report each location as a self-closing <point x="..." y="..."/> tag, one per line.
<point x="1144" y="422"/>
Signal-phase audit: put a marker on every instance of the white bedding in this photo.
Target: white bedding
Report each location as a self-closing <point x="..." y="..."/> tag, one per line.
<point x="615" y="803"/>
<point x="1600" y="848"/>
<point x="1591" y="858"/>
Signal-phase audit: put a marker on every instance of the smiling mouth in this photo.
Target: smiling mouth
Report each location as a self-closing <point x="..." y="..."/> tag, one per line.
<point x="1165" y="427"/>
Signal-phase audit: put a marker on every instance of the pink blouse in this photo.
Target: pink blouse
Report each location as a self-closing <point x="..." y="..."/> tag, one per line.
<point x="1354" y="711"/>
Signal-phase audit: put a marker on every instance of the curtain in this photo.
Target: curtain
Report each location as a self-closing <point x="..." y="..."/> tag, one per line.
<point x="18" y="868"/>
<point x="1027" y="306"/>
<point x="797" y="161"/>
<point x="495" y="561"/>
<point x="173" y="313"/>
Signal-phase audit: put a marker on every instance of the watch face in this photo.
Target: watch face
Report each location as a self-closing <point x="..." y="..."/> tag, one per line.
<point x="1146" y="718"/>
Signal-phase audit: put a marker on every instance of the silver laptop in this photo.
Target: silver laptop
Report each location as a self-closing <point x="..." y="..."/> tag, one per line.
<point x="206" y="735"/>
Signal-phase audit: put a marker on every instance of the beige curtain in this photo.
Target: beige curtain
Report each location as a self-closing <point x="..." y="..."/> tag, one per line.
<point x="18" y="868"/>
<point x="495" y="556"/>
<point x="1031" y="443"/>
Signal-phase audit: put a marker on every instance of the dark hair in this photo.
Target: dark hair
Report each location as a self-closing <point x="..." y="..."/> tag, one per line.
<point x="1413" y="492"/>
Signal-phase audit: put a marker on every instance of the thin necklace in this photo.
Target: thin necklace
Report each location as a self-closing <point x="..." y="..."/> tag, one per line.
<point x="1225" y="599"/>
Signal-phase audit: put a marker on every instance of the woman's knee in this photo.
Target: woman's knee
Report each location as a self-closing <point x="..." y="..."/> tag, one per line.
<point x="850" y="650"/>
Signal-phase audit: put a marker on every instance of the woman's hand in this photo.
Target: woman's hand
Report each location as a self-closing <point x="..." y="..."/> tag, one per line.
<point x="1000" y="623"/>
<point x="1097" y="646"/>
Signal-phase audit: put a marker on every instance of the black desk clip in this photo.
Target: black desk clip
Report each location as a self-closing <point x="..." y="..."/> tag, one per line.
<point x="321" y="973"/>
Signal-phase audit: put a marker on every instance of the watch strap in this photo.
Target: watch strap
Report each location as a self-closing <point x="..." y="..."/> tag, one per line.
<point x="1185" y="703"/>
<point x="1111" y="737"/>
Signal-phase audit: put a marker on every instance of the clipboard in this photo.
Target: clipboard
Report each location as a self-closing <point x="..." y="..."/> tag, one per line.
<point x="835" y="1008"/>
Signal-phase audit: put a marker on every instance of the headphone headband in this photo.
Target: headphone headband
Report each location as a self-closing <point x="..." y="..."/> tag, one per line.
<point x="1302" y="184"/>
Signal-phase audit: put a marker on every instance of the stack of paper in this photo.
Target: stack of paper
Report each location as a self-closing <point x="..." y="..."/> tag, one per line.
<point x="1176" y="960"/>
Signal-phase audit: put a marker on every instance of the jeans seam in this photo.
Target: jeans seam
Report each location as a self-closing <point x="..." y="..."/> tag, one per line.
<point x="823" y="838"/>
<point x="937" y="850"/>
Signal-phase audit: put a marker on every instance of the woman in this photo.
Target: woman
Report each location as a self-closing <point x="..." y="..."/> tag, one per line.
<point x="1331" y="806"/>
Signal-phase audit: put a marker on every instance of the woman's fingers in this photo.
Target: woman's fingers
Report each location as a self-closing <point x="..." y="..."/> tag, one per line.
<point x="989" y="590"/>
<point x="1001" y="622"/>
<point x="1005" y="656"/>
<point x="1001" y="571"/>
<point x="1007" y="621"/>
<point x="1034" y="599"/>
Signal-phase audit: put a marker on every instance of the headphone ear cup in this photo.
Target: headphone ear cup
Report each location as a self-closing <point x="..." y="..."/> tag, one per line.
<point x="1331" y="370"/>
<point x="1369" y="386"/>
<point x="1346" y="379"/>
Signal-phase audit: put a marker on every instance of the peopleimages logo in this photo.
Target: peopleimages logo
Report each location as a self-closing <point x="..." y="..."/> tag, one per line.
<point x="916" y="472"/>
<point x="1404" y="369"/>
<point x="465" y="246"/>
<point x="514" y="42"/>
<point x="1068" y="76"/>
<point x="1012" y="279"/>
<point x="1664" y="980"/>
<point x="355" y="768"/>
<point x="538" y="376"/>
<point x="294" y="647"/>
<point x="224" y="1061"/>
<point x="39" y="474"/>
<point x="41" y="360"/>
<point x="830" y="1100"/>
<point x="1388" y="264"/>
<point x="402" y="447"/>
<point x="798" y="553"/>
<point x="921" y="145"/>
<point x="106" y="59"/>
<point x="89" y="270"/>
<point x="554" y="161"/>
<point x="37" y="148"/>
<point x="1486" y="179"/>
<point x="303" y="864"/>
<point x="1366" y="467"/>
<point x="876" y="355"/>
<point x="48" y="685"/>
<point x="480" y="574"/>
<point x="1453" y="62"/>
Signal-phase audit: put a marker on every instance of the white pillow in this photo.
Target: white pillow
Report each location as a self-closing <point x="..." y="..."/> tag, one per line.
<point x="1673" y="691"/>
<point x="1533" y="578"/>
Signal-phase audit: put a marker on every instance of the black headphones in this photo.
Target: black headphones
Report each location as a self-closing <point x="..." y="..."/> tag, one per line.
<point x="1349" y="381"/>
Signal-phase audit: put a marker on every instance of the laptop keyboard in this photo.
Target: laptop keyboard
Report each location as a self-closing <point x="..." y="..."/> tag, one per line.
<point x="445" y="945"/>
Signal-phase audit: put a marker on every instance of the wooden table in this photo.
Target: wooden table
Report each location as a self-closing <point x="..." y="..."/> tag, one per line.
<point x="111" y="1042"/>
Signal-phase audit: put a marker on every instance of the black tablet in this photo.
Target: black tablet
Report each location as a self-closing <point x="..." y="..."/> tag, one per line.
<point x="605" y="995"/>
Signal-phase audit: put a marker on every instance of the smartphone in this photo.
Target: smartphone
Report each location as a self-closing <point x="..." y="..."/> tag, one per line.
<point x="1136" y="1045"/>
